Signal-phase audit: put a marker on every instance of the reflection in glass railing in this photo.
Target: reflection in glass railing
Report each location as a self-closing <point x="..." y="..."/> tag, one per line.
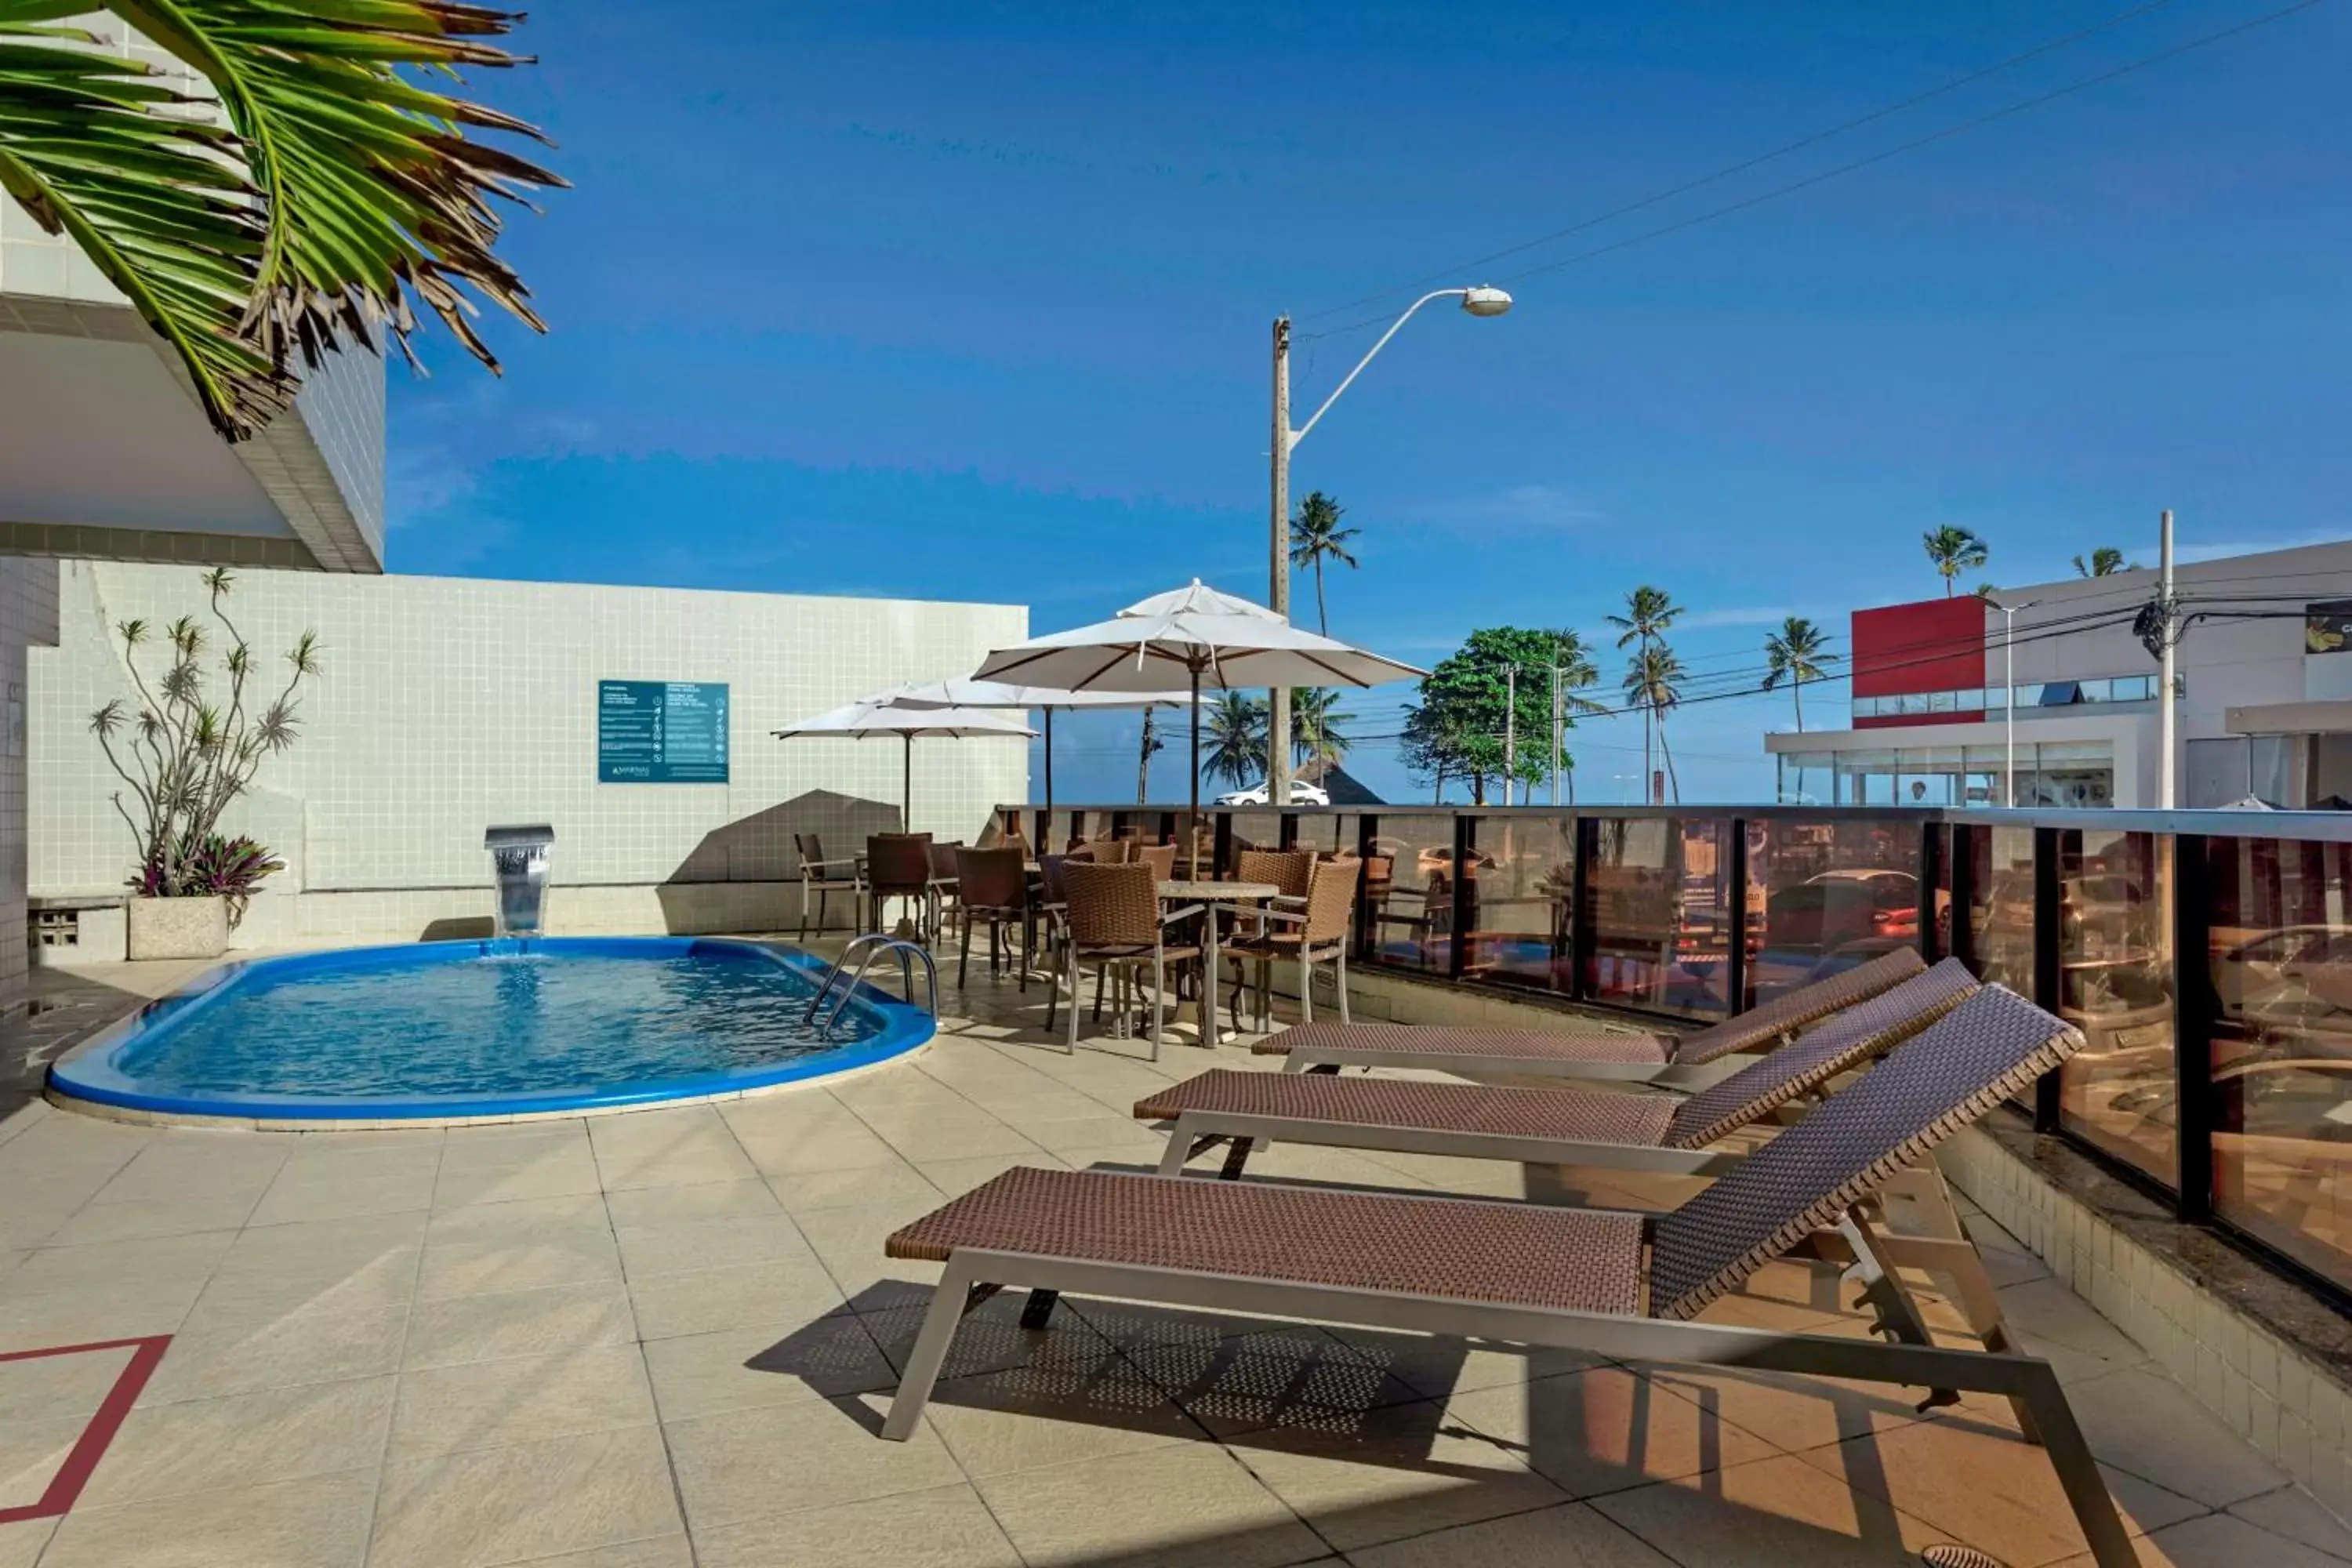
<point x="1410" y="887"/>
<point x="1661" y="915"/>
<point x="1825" y="896"/>
<point x="2281" y="948"/>
<point x="1525" y="878"/>
<point x="2115" y="981"/>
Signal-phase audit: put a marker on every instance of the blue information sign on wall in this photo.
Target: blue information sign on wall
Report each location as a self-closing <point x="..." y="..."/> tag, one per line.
<point x="661" y="731"/>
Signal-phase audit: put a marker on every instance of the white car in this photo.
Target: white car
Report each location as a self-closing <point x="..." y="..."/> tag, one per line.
<point x="1301" y="794"/>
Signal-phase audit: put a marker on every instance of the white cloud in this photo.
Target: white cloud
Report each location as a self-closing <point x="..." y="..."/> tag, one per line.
<point x="1519" y="506"/>
<point x="1734" y="615"/>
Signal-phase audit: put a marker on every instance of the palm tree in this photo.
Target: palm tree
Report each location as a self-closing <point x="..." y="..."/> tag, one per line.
<point x="305" y="209"/>
<point x="1655" y="680"/>
<point x="1315" y="537"/>
<point x="1315" y="725"/>
<point x="2106" y="562"/>
<point x="1954" y="551"/>
<point x="1796" y="653"/>
<point x="1234" y="731"/>
<point x="1648" y="613"/>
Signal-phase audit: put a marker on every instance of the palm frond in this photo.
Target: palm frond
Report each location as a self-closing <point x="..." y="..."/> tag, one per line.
<point x="339" y="192"/>
<point x="154" y="199"/>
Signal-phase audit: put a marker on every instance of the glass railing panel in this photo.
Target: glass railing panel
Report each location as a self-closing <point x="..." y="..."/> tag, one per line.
<point x="1661" y="916"/>
<point x="1255" y="830"/>
<point x="1524" y="877"/>
<point x="1327" y="832"/>
<point x="1827" y="895"/>
<point x="2001" y="905"/>
<point x="1409" y="887"/>
<point x="2116" y="983"/>
<point x="2281" y="955"/>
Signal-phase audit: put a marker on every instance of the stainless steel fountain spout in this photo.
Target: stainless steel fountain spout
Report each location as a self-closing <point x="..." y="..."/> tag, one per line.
<point x="519" y="866"/>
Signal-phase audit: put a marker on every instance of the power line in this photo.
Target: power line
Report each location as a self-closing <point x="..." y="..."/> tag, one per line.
<point x="1945" y="134"/>
<point x="1745" y="165"/>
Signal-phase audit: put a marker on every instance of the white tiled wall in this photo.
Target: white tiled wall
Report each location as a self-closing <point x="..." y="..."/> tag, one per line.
<point x="449" y="704"/>
<point x="28" y="614"/>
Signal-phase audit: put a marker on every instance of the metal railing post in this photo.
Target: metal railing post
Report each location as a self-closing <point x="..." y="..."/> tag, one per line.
<point x="2195" y="1007"/>
<point x="1368" y="830"/>
<point x="1931" y="869"/>
<point x="1459" y="927"/>
<point x="1587" y="839"/>
<point x="1735" y="989"/>
<point x="2049" y="957"/>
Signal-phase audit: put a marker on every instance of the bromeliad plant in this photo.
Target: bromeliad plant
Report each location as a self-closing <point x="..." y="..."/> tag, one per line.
<point x="294" y="208"/>
<point x="191" y="745"/>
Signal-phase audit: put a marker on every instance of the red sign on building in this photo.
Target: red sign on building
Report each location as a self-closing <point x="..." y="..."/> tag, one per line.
<point x="1932" y="647"/>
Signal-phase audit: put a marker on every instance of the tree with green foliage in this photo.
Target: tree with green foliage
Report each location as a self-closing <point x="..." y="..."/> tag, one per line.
<point x="1233" y="735"/>
<point x="1796" y="653"/>
<point x="1953" y="551"/>
<point x="1315" y="537"/>
<point x="1649" y="611"/>
<point x="2105" y="562"/>
<point x="1318" y="728"/>
<point x="314" y="189"/>
<point x="1654" y="683"/>
<point x="1457" y="729"/>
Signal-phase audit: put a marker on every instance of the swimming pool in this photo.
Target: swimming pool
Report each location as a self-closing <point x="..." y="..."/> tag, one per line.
<point x="449" y="1030"/>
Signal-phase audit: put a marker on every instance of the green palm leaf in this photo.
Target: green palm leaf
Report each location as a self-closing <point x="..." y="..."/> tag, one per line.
<point x="341" y="191"/>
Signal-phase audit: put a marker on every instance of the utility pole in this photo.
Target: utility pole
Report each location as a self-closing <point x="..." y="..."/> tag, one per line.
<point x="2164" y="694"/>
<point x="1556" y="736"/>
<point x="1510" y="729"/>
<point x="1277" y="725"/>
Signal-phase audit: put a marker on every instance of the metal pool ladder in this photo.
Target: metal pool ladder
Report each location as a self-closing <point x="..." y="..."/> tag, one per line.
<point x="873" y="945"/>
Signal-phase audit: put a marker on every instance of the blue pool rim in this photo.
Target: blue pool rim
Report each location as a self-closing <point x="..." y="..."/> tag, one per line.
<point x="88" y="1072"/>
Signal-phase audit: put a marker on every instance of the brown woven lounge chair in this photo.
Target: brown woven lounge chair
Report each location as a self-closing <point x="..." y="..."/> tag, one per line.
<point x="1690" y="1063"/>
<point x="1618" y="1284"/>
<point x="1542" y="1126"/>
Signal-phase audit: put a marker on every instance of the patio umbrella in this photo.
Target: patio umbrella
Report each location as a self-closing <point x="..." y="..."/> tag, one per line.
<point x="973" y="693"/>
<point x="865" y="720"/>
<point x="1198" y="635"/>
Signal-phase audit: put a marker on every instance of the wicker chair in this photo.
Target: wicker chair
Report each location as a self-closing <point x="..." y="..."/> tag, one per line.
<point x="1161" y="858"/>
<point x="1114" y="919"/>
<point x="1287" y="869"/>
<point x="1318" y="934"/>
<point x="899" y="865"/>
<point x="943" y="889"/>
<point x="1102" y="851"/>
<point x="993" y="887"/>
<point x="825" y="878"/>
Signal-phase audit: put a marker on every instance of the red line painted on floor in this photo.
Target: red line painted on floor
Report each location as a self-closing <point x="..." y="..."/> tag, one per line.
<point x="90" y="1446"/>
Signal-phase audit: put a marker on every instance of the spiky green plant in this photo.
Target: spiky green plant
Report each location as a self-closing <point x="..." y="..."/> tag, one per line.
<point x="191" y="743"/>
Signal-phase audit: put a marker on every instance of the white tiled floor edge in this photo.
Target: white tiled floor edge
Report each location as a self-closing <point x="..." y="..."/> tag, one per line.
<point x="2291" y="1409"/>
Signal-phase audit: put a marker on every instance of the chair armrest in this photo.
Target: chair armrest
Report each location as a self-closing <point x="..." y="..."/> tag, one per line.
<point x="1172" y="916"/>
<point x="1299" y="919"/>
<point x="836" y="860"/>
<point x="1298" y="899"/>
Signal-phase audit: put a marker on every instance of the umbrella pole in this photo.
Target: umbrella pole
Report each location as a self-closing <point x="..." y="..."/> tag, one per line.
<point x="1193" y="822"/>
<point x="1045" y="834"/>
<point x="907" y="787"/>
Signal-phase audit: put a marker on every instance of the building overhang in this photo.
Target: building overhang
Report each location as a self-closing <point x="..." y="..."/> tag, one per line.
<point x="2325" y="718"/>
<point x="105" y="452"/>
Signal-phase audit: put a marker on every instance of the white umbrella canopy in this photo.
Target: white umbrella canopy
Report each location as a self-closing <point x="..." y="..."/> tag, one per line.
<point x="967" y="692"/>
<point x="1229" y="643"/>
<point x="1199" y="636"/>
<point x="876" y="716"/>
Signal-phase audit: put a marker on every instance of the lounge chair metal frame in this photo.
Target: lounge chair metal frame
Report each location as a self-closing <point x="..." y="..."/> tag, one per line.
<point x="1762" y="1028"/>
<point x="973" y="1275"/>
<point x="1872" y="1027"/>
<point x="1823" y="1186"/>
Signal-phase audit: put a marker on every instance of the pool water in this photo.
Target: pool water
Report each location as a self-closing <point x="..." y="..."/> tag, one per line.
<point x="472" y="1028"/>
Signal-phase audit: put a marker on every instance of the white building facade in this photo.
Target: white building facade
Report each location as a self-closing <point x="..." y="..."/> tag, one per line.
<point x="2264" y="705"/>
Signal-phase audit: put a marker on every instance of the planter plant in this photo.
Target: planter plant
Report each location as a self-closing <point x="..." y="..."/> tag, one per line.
<point x="191" y="743"/>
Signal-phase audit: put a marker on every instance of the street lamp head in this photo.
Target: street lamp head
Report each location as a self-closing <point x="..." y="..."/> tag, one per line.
<point x="1486" y="299"/>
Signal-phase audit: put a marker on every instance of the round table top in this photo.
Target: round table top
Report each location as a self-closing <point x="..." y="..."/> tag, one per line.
<point x="1207" y="889"/>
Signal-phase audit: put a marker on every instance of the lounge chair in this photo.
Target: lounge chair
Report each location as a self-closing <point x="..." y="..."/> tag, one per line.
<point x="1542" y="1126"/>
<point x="1692" y="1062"/>
<point x="1617" y="1284"/>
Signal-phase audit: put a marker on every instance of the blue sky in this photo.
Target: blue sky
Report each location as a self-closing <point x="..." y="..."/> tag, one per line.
<point x="972" y="301"/>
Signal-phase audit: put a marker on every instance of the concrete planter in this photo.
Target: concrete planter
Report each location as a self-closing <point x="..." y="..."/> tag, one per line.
<point x="178" y="927"/>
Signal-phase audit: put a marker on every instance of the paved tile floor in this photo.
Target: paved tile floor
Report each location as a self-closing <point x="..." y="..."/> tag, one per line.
<point x="665" y="1338"/>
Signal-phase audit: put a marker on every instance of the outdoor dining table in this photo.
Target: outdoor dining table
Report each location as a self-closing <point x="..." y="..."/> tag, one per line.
<point x="1189" y="890"/>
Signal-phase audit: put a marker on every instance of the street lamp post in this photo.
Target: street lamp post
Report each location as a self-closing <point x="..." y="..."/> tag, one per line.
<point x="2008" y="696"/>
<point x="1481" y="301"/>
